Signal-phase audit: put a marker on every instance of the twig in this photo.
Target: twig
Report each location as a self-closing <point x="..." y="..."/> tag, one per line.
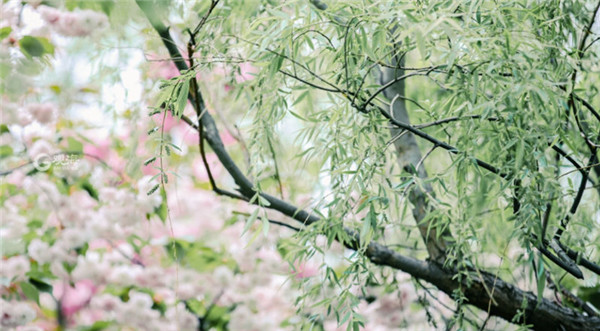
<point x="577" y="301"/>
<point x="576" y="201"/>
<point x="569" y="267"/>
<point x="283" y="224"/>
<point x="213" y="4"/>
<point x="453" y="119"/>
<point x="513" y="298"/>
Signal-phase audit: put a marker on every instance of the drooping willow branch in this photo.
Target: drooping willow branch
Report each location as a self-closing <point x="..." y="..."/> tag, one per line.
<point x="510" y="300"/>
<point x="592" y="146"/>
<point x="415" y="129"/>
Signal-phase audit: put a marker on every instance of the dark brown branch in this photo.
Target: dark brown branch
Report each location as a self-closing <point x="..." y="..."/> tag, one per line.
<point x="577" y="301"/>
<point x="540" y="312"/>
<point x="571" y="160"/>
<point x="588" y="106"/>
<point x="213" y="4"/>
<point x="454" y="119"/>
<point x="590" y="44"/>
<point x="283" y="224"/>
<point x="442" y="144"/>
<point x="575" y="256"/>
<point x="559" y="262"/>
<point x="572" y="266"/>
<point x="577" y="200"/>
<point x="587" y="31"/>
<point x="326" y="89"/>
<point x="394" y="81"/>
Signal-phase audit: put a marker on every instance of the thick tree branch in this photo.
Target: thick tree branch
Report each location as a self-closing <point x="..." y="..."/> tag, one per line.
<point x="541" y="313"/>
<point x="409" y="158"/>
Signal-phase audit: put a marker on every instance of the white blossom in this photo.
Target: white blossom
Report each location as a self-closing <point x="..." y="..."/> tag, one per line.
<point x="14" y="268"/>
<point x="14" y="314"/>
<point x="40" y="148"/>
<point x="184" y="320"/>
<point x="40" y="251"/>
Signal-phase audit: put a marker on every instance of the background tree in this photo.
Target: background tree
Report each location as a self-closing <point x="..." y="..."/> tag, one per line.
<point x="500" y="172"/>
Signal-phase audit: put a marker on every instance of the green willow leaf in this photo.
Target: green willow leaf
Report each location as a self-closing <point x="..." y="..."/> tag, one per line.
<point x="182" y="98"/>
<point x="30" y="291"/>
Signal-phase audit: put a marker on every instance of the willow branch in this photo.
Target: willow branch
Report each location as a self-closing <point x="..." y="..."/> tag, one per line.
<point x="511" y="301"/>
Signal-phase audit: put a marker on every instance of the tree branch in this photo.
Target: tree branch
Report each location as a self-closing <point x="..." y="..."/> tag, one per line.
<point x="540" y="312"/>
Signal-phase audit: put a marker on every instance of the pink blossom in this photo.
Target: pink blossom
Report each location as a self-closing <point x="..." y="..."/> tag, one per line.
<point x="269" y="256"/>
<point x="105" y="302"/>
<point x="99" y="149"/>
<point x="227" y="138"/>
<point x="247" y="72"/>
<point x="162" y="68"/>
<point x="116" y="162"/>
<point x="182" y="317"/>
<point x="39" y="251"/>
<point x="199" y="170"/>
<point x="82" y="199"/>
<point x="42" y="112"/>
<point x="169" y="121"/>
<point x="221" y="69"/>
<point x="75" y="298"/>
<point x="16" y="178"/>
<point x="78" y="23"/>
<point x="153" y="276"/>
<point x="50" y="14"/>
<point x="149" y="170"/>
<point x="305" y="269"/>
<point x="97" y="244"/>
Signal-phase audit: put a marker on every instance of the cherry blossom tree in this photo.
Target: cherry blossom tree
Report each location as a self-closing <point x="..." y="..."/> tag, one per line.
<point x="228" y="165"/>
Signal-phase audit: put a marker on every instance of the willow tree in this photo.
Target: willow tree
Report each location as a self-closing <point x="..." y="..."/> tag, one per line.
<point x="490" y="193"/>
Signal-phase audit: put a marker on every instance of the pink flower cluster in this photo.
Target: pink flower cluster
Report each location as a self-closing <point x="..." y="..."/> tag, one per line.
<point x="77" y="23"/>
<point x="43" y="113"/>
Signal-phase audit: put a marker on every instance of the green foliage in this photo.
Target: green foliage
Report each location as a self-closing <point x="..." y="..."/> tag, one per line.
<point x="97" y="326"/>
<point x="212" y="316"/>
<point x="197" y="256"/>
<point x="504" y="62"/>
<point x="35" y="46"/>
<point x="30" y="292"/>
<point x="162" y="209"/>
<point x="5" y="151"/>
<point x="5" y="32"/>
